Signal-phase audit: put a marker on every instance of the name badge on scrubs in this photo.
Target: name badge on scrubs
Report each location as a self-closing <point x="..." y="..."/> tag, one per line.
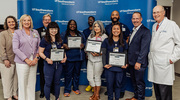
<point x="43" y="34"/>
<point x="54" y="46"/>
<point x="115" y="49"/>
<point x="98" y="39"/>
<point x="123" y="29"/>
<point x="35" y="35"/>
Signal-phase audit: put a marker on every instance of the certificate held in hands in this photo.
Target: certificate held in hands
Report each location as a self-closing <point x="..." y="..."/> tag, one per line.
<point x="117" y="59"/>
<point x="57" y="54"/>
<point x="74" y="42"/>
<point x="93" y="46"/>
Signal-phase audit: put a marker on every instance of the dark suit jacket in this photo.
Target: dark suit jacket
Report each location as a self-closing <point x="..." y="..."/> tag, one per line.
<point x="139" y="47"/>
<point x="41" y="29"/>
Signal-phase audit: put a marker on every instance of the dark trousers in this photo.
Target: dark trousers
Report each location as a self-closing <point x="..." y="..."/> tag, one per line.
<point x="41" y="71"/>
<point x="72" y="72"/>
<point x="123" y="84"/>
<point x="114" y="80"/>
<point x="52" y="74"/>
<point x="163" y="92"/>
<point x="137" y="77"/>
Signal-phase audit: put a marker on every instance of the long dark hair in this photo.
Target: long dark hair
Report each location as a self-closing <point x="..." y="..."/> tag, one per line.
<point x="68" y="29"/>
<point x="57" y="36"/>
<point x="110" y="39"/>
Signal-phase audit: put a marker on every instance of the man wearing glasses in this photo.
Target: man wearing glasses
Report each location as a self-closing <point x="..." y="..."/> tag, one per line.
<point x="164" y="52"/>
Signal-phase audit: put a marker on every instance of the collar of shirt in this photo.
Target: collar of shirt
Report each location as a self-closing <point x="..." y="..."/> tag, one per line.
<point x="161" y="22"/>
<point x="137" y="27"/>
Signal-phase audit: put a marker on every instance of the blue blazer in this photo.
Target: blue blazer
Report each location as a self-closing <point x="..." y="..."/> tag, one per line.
<point x="138" y="49"/>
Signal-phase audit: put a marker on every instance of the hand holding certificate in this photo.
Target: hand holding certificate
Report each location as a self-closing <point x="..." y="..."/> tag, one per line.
<point x="93" y="46"/>
<point x="74" y="42"/>
<point x="117" y="59"/>
<point x="57" y="54"/>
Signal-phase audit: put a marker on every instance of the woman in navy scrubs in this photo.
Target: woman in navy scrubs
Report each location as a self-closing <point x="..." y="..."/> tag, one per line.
<point x="52" y="69"/>
<point x="114" y="74"/>
<point x="75" y="57"/>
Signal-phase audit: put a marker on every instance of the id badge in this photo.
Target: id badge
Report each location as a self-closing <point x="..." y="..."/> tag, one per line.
<point x="98" y="39"/>
<point x="123" y="29"/>
<point x="43" y="34"/>
<point x="35" y="35"/>
<point x="116" y="49"/>
<point x="54" y="46"/>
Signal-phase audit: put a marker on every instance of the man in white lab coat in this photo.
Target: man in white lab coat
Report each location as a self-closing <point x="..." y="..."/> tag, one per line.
<point x="164" y="52"/>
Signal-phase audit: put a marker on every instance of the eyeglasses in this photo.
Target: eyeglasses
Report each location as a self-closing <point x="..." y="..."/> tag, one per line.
<point x="47" y="19"/>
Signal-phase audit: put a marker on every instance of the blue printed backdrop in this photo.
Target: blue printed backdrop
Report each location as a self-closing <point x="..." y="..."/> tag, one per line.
<point x="64" y="10"/>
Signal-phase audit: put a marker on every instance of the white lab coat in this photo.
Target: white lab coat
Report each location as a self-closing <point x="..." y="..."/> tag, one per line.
<point x="165" y="46"/>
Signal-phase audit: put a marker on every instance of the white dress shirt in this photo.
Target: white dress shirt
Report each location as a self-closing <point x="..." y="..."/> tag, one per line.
<point x="134" y="32"/>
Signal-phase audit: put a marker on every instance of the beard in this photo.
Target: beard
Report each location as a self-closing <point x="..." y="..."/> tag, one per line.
<point x="90" y="24"/>
<point x="117" y="20"/>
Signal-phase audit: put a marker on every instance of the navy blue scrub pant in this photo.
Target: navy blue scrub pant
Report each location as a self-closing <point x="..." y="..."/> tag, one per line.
<point x="52" y="74"/>
<point x="72" y="72"/>
<point x="123" y="84"/>
<point x="41" y="71"/>
<point x="114" y="80"/>
<point x="137" y="77"/>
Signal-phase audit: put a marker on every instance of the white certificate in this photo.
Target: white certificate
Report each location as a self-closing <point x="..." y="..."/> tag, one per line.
<point x="74" y="42"/>
<point x="117" y="59"/>
<point x="57" y="54"/>
<point x="93" y="46"/>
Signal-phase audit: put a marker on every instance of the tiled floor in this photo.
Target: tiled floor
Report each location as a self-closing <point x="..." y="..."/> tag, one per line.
<point x="85" y="95"/>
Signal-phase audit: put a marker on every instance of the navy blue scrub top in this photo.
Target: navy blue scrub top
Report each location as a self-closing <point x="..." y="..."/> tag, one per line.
<point x="126" y="32"/>
<point x="75" y="54"/>
<point x="86" y="33"/>
<point x="48" y="47"/>
<point x="109" y="48"/>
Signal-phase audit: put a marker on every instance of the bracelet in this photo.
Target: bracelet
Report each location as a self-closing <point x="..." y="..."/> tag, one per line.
<point x="45" y="58"/>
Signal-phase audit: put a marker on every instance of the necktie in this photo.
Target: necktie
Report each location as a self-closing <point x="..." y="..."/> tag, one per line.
<point x="157" y="27"/>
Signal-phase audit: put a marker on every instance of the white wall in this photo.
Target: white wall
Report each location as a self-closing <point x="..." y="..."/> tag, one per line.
<point x="176" y="18"/>
<point x="7" y="7"/>
<point x="166" y="3"/>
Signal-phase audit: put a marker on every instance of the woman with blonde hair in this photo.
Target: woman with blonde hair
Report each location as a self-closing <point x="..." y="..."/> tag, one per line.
<point x="7" y="64"/>
<point x="95" y="65"/>
<point x="25" y="46"/>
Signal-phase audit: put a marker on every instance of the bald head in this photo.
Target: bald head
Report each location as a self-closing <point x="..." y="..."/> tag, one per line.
<point x="159" y="7"/>
<point x="115" y="16"/>
<point x="115" y="11"/>
<point x="158" y="13"/>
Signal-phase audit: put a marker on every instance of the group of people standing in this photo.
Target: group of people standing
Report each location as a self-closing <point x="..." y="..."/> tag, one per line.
<point x="23" y="49"/>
